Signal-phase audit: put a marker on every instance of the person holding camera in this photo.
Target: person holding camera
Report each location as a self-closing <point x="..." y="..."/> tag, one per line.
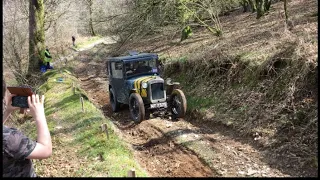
<point x="18" y="149"/>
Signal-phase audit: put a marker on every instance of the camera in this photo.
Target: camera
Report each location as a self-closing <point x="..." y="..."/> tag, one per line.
<point x="20" y="101"/>
<point x="21" y="98"/>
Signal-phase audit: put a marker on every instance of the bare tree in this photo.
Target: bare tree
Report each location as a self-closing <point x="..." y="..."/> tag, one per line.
<point x="106" y="14"/>
<point x="245" y="5"/>
<point x="252" y="6"/>
<point x="248" y="5"/>
<point x="267" y="5"/>
<point x="15" y="39"/>
<point x="89" y="4"/>
<point x="52" y="12"/>
<point x="51" y="23"/>
<point x="285" y="10"/>
<point x="61" y="22"/>
<point x="213" y="8"/>
<point x="263" y="6"/>
<point x="260" y="9"/>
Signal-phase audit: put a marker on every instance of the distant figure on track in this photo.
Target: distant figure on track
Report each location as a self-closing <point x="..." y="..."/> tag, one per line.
<point x="73" y="41"/>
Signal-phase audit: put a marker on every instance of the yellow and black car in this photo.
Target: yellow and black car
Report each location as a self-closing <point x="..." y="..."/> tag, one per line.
<point x="135" y="80"/>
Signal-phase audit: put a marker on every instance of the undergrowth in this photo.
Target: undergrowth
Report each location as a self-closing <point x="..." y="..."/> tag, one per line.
<point x="276" y="99"/>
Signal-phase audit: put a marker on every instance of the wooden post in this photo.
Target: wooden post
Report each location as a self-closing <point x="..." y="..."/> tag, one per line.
<point x="104" y="127"/>
<point x="82" y="104"/>
<point x="73" y="88"/>
<point x="132" y="173"/>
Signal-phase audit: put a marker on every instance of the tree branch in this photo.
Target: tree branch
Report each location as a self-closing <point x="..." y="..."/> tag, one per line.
<point x="108" y="18"/>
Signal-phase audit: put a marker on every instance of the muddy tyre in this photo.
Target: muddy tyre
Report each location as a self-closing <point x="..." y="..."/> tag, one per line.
<point x="178" y="104"/>
<point x="115" y="105"/>
<point x="136" y="108"/>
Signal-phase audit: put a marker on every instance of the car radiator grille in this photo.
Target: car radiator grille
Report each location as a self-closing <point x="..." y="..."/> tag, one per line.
<point x="157" y="91"/>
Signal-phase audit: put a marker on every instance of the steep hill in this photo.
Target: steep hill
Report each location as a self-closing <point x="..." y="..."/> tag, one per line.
<point x="260" y="79"/>
<point x="252" y="103"/>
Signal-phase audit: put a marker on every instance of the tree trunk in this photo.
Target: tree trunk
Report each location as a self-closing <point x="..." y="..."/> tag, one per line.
<point x="260" y="8"/>
<point x="285" y="10"/>
<point x="267" y="5"/>
<point x="36" y="35"/>
<point x="252" y="6"/>
<point x="245" y="5"/>
<point x="90" y="19"/>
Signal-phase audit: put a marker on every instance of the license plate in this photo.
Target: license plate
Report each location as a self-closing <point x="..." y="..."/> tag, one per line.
<point x="158" y="105"/>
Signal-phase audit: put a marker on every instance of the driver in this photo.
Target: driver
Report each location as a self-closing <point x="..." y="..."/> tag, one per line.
<point x="129" y="69"/>
<point x="142" y="67"/>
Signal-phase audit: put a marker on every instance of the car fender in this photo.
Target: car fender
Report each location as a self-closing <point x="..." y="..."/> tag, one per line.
<point x="133" y="91"/>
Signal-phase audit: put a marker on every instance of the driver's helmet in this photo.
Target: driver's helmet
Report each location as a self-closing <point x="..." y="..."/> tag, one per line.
<point x="141" y="62"/>
<point x="145" y="63"/>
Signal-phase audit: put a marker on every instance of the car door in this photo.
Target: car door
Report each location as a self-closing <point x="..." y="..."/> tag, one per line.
<point x="117" y="79"/>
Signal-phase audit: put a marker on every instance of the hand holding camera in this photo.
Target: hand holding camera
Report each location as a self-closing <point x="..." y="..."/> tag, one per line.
<point x="23" y="98"/>
<point x="36" y="106"/>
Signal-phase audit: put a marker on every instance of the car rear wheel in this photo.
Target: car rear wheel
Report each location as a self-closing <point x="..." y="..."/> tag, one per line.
<point x="136" y="107"/>
<point x="115" y="105"/>
<point x="178" y="104"/>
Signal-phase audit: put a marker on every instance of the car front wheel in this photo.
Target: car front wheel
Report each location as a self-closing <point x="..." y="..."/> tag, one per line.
<point x="136" y="107"/>
<point x="178" y="104"/>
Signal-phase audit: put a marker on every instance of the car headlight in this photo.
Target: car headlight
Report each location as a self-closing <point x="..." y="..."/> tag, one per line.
<point x="144" y="85"/>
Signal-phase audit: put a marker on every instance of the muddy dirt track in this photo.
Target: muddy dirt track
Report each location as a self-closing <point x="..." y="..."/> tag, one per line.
<point x="175" y="148"/>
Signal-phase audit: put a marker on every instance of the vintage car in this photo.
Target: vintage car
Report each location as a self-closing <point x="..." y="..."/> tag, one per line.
<point x="135" y="80"/>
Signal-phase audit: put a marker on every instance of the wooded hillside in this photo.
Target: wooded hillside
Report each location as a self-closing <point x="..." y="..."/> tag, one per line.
<point x="248" y="65"/>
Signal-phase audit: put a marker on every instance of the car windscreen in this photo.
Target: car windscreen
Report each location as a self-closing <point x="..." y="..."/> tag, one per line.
<point x="141" y="67"/>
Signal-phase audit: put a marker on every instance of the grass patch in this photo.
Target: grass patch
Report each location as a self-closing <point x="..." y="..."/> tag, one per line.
<point x="87" y="143"/>
<point x="91" y="40"/>
<point x="200" y="103"/>
<point x="194" y="101"/>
